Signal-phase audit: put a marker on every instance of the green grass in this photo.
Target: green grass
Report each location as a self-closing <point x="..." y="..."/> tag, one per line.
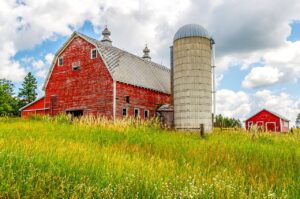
<point x="55" y="159"/>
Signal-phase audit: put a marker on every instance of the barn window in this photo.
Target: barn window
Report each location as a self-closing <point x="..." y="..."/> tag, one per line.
<point x="75" y="65"/>
<point x="94" y="53"/>
<point x="124" y="112"/>
<point x="146" y="113"/>
<point x="60" y="61"/>
<point x="136" y="112"/>
<point x="127" y="99"/>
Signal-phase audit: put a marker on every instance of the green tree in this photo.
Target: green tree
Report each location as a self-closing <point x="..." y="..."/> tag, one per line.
<point x="298" y="121"/>
<point x="8" y="103"/>
<point x="27" y="93"/>
<point x="227" y="122"/>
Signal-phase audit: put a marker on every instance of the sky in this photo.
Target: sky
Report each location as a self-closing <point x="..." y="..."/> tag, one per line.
<point x="257" y="42"/>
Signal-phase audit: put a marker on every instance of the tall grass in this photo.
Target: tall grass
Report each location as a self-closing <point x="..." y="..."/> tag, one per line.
<point x="95" y="158"/>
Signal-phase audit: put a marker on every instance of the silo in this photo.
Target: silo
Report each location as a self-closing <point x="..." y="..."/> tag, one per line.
<point x="192" y="73"/>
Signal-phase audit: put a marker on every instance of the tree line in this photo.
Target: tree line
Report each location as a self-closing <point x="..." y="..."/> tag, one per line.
<point x="226" y="122"/>
<point x="10" y="103"/>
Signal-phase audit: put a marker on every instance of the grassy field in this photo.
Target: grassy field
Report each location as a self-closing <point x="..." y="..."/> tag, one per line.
<point x="56" y="159"/>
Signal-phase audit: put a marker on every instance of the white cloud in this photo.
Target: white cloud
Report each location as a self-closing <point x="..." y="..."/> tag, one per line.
<point x="41" y="73"/>
<point x="281" y="65"/>
<point x="38" y="67"/>
<point x="38" y="64"/>
<point x="262" y="76"/>
<point x="10" y="69"/>
<point x="233" y="104"/>
<point x="49" y="58"/>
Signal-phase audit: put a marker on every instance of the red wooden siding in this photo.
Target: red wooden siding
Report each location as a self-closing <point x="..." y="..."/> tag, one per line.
<point x="141" y="98"/>
<point x="89" y="88"/>
<point x="35" y="108"/>
<point x="267" y="122"/>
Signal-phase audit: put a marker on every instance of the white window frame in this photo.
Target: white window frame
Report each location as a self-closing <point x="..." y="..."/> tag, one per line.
<point x="126" y="112"/>
<point x="138" y="115"/>
<point x="148" y="113"/>
<point x="92" y="50"/>
<point x="60" y="58"/>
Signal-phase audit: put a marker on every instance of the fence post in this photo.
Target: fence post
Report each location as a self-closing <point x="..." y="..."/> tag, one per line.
<point x="202" y="130"/>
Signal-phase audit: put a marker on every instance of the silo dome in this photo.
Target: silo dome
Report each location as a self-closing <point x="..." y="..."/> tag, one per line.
<point x="191" y="30"/>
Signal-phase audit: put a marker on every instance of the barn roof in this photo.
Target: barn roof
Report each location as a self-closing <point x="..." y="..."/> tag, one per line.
<point x="276" y="114"/>
<point x="126" y="67"/>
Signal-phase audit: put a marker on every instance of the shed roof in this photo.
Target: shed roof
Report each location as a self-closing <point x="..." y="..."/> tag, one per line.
<point x="127" y="68"/>
<point x="276" y="114"/>
<point x="27" y="105"/>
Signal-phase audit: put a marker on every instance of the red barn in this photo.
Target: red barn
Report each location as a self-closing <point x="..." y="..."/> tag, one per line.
<point x="88" y="76"/>
<point x="268" y="121"/>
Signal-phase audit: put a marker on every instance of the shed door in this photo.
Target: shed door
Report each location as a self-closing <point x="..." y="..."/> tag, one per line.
<point x="271" y="126"/>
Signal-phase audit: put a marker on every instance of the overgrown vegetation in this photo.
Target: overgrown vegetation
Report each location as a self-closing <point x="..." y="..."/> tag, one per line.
<point x="94" y="158"/>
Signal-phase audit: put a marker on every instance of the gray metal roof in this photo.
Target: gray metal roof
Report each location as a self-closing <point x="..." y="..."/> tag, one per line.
<point x="130" y="69"/>
<point x="191" y="30"/>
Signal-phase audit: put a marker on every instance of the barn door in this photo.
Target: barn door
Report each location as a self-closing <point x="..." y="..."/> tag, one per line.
<point x="53" y="105"/>
<point x="271" y="126"/>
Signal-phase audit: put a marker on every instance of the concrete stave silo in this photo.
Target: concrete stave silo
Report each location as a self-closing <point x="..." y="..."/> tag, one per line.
<point x="192" y="78"/>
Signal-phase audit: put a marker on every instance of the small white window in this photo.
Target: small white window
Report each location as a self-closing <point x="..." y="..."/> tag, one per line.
<point x="76" y="65"/>
<point x="94" y="53"/>
<point x="146" y="113"/>
<point x="136" y="112"/>
<point x="60" y="61"/>
<point x="124" y="112"/>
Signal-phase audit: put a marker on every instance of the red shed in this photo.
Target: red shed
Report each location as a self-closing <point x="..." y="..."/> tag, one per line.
<point x="35" y="107"/>
<point x="88" y="76"/>
<point x="268" y="121"/>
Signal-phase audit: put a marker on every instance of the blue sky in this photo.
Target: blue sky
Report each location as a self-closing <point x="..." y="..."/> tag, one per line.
<point x="257" y="47"/>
